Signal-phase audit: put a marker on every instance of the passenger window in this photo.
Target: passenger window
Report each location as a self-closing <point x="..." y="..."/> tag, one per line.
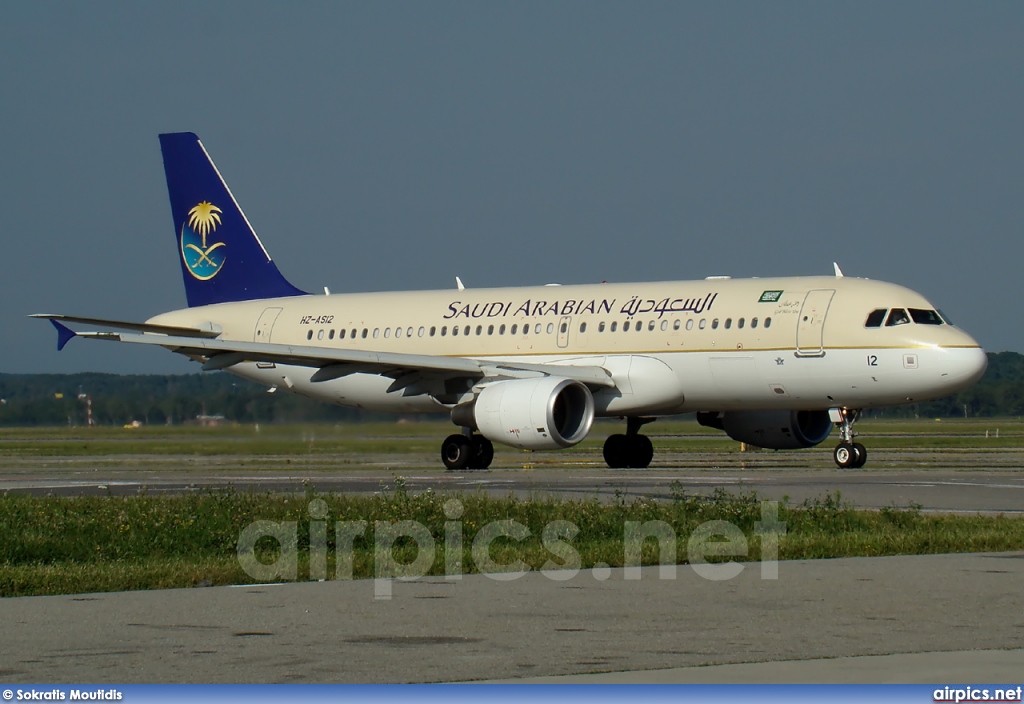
<point x="398" y="332"/>
<point x="408" y="333"/>
<point x="536" y="329"/>
<point x="320" y="334"/>
<point x="455" y="330"/>
<point x="875" y="318"/>
<point x="600" y="326"/>
<point x="354" y="334"/>
<point x="309" y="335"/>
<point x="702" y="323"/>
<point x="614" y="325"/>
<point x="421" y="331"/>
<point x="753" y="323"/>
<point x="925" y="317"/>
<point x="341" y="334"/>
<point x="466" y="331"/>
<point x="365" y="331"/>
<point x="650" y="326"/>
<point x="897" y="316"/>
<point x="625" y="326"/>
<point x="689" y="324"/>
<point x="387" y="332"/>
<point x="501" y="329"/>
<point x="767" y="322"/>
<point x="677" y="323"/>
<point x="563" y="328"/>
<point x="514" y="329"/>
<point x="330" y="335"/>
<point x="433" y="329"/>
<point x="490" y="329"/>
<point x="583" y="327"/>
<point x="714" y="324"/>
<point x="741" y="323"/>
<point x="479" y="329"/>
<point x="376" y="333"/>
<point x="728" y="323"/>
<point x="551" y="328"/>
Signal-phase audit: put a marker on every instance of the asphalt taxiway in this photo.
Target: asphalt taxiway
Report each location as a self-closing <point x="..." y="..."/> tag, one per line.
<point x="888" y="619"/>
<point x="951" y="482"/>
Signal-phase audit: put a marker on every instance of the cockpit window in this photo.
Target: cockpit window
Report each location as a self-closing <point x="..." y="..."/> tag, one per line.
<point x="898" y="316"/>
<point x="925" y="317"/>
<point x="875" y="318"/>
<point x="945" y="318"/>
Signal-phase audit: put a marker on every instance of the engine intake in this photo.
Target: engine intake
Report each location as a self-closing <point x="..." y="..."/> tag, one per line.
<point x="773" y="430"/>
<point x="547" y="413"/>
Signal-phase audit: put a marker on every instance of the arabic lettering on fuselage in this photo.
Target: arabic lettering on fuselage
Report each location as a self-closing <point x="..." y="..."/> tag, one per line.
<point x="536" y="308"/>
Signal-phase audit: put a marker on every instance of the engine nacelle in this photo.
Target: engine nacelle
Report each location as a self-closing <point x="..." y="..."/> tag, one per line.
<point x="772" y="430"/>
<point x="548" y="413"/>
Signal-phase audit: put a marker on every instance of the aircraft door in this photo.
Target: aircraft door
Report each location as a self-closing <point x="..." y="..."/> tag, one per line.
<point x="564" y="326"/>
<point x="811" y="327"/>
<point x="264" y="330"/>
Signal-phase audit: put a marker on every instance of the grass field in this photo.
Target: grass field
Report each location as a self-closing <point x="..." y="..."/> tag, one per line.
<point x="55" y="545"/>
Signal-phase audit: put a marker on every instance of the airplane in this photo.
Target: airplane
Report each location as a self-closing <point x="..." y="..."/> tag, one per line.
<point x="773" y="362"/>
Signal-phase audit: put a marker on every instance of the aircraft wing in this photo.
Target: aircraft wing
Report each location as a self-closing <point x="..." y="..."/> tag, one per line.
<point x="327" y="363"/>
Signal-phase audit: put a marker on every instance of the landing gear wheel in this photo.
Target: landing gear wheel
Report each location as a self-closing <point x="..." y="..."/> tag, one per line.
<point x="628" y="451"/>
<point x="846" y="455"/>
<point x="862" y="455"/>
<point x="457" y="452"/>
<point x="616" y="451"/>
<point x="641" y="452"/>
<point x="483" y="452"/>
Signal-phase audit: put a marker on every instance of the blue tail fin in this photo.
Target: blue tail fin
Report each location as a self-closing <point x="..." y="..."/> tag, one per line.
<point x="222" y="259"/>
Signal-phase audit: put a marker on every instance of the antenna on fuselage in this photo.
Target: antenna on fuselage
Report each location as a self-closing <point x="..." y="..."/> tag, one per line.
<point x="839" y="272"/>
<point x="458" y="282"/>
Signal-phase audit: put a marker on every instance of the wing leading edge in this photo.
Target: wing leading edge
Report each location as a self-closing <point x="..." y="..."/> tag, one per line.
<point x="327" y="363"/>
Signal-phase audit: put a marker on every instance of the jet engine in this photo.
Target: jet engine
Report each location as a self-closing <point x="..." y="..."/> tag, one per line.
<point x="773" y="430"/>
<point x="547" y="413"/>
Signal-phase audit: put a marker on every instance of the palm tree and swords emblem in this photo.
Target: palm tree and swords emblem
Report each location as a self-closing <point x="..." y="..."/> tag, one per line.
<point x="202" y="261"/>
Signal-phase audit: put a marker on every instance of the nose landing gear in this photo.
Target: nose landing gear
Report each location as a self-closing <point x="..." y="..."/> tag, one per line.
<point x="848" y="454"/>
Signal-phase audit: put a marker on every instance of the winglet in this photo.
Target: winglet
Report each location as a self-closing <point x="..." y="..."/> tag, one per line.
<point x="64" y="334"/>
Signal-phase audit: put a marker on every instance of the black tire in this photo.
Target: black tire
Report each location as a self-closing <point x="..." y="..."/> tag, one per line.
<point x="862" y="455"/>
<point x="456" y="452"/>
<point x="483" y="453"/>
<point x="641" y="452"/>
<point x="616" y="451"/>
<point x="845" y="455"/>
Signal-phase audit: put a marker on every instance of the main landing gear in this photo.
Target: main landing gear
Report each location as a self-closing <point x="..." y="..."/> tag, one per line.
<point x="632" y="450"/>
<point x="848" y="454"/>
<point x="467" y="452"/>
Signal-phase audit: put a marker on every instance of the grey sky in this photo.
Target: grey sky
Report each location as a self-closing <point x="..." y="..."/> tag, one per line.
<point x="380" y="146"/>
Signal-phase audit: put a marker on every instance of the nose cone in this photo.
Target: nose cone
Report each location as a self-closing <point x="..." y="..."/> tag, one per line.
<point x="963" y="367"/>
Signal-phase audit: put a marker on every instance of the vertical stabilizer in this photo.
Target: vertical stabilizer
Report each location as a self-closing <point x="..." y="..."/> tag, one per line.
<point x="222" y="259"/>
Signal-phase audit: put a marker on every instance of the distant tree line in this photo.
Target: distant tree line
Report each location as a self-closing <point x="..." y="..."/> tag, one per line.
<point x="59" y="399"/>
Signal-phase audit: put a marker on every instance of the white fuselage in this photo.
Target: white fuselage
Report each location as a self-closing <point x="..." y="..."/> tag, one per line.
<point x="672" y="347"/>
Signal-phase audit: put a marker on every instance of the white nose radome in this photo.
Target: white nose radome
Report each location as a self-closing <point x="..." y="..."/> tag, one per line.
<point x="962" y="367"/>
